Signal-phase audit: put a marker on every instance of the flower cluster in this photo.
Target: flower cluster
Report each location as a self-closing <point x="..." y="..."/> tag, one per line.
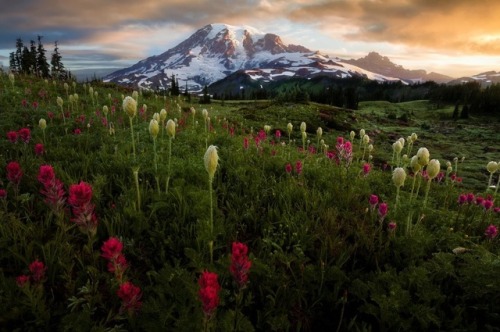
<point x="23" y="134"/>
<point x="344" y="151"/>
<point x="491" y="231"/>
<point x="209" y="292"/>
<point x="130" y="296"/>
<point x="14" y="172"/>
<point x="117" y="264"/>
<point x="112" y="251"/>
<point x="37" y="274"/>
<point x="298" y="167"/>
<point x="53" y="188"/>
<point x="471" y="199"/>
<point x="80" y="196"/>
<point x="382" y="207"/>
<point x="240" y="264"/>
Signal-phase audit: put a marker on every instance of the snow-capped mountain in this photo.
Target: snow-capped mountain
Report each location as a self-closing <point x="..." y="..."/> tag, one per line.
<point x="485" y="79"/>
<point x="217" y="50"/>
<point x="383" y="65"/>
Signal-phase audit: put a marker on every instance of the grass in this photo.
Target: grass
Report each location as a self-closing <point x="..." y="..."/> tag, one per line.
<point x="322" y="257"/>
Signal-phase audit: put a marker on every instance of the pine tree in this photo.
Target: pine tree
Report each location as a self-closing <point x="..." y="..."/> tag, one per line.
<point x="25" y="60"/>
<point x="19" y="55"/>
<point x="57" y="67"/>
<point x="12" y="62"/>
<point x="41" y="59"/>
<point x="33" y="68"/>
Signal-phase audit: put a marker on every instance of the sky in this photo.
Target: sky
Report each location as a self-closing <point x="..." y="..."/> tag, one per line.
<point x="451" y="37"/>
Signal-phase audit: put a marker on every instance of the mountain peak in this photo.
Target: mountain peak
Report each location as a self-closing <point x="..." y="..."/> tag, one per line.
<point x="380" y="64"/>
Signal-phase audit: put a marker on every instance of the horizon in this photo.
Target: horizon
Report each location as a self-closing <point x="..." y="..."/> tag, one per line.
<point x="459" y="38"/>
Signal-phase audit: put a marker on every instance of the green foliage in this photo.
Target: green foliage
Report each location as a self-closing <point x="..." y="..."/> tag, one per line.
<point x="322" y="257"/>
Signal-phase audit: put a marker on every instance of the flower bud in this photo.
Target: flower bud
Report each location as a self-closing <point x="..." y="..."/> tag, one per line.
<point x="415" y="166"/>
<point x="492" y="166"/>
<point x="267" y="129"/>
<point x="289" y="128"/>
<point x="104" y="109"/>
<point x="399" y="176"/>
<point x="402" y="141"/>
<point x="211" y="160"/>
<point x="433" y="168"/>
<point x="171" y="128"/>
<point x="366" y="139"/>
<point x="60" y="101"/>
<point x="193" y="110"/>
<point x="361" y="133"/>
<point x="423" y="156"/>
<point x="135" y="95"/>
<point x="413" y="137"/>
<point x="352" y="134"/>
<point x="303" y="127"/>
<point x="163" y="114"/>
<point x="42" y="124"/>
<point x="319" y="132"/>
<point x="204" y="112"/>
<point x="154" y="128"/>
<point x="397" y="147"/>
<point x="370" y="147"/>
<point x="130" y="106"/>
<point x="156" y="116"/>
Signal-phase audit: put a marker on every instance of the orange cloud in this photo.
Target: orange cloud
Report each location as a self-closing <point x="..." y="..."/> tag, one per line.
<point x="459" y="26"/>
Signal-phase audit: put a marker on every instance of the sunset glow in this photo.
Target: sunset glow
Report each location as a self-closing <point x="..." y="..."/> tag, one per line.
<point x="455" y="38"/>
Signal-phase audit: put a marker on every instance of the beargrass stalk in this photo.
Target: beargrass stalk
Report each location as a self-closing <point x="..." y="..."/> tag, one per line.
<point x="211" y="161"/>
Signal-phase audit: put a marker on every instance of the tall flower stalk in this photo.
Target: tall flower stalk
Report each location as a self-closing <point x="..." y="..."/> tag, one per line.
<point x="154" y="129"/>
<point x="137" y="188"/>
<point x="398" y="177"/>
<point x="211" y="160"/>
<point x="171" y="136"/>
<point x="130" y="107"/>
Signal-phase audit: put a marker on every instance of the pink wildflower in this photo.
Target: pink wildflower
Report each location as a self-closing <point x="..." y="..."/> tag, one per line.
<point x="12" y="136"/>
<point x="491" y="231"/>
<point x="37" y="270"/>
<point x="240" y="264"/>
<point x="130" y="296"/>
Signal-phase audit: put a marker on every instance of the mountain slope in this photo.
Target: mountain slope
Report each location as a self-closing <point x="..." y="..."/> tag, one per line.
<point x="217" y="50"/>
<point x="377" y="63"/>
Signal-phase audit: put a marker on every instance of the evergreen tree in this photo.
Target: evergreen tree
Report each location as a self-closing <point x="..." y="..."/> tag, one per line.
<point x="206" y="97"/>
<point x="33" y="68"/>
<point x="25" y="60"/>
<point x="41" y="59"/>
<point x="57" y="67"/>
<point x="19" y="55"/>
<point x="12" y="62"/>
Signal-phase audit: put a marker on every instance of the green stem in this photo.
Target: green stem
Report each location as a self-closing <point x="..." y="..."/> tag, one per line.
<point x="167" y="183"/>
<point x="156" y="165"/>
<point x="413" y="186"/>
<point x="211" y="242"/>
<point x="132" y="134"/>
<point x="136" y="179"/>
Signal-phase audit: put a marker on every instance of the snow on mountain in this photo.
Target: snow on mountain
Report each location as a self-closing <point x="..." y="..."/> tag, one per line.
<point x="218" y="50"/>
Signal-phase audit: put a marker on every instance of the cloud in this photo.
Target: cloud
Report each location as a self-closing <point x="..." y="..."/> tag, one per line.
<point x="459" y="26"/>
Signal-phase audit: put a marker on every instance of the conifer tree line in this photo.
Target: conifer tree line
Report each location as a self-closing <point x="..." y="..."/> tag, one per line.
<point x="32" y="59"/>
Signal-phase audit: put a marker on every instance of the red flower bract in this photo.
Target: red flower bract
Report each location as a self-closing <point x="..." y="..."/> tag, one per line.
<point x="37" y="270"/>
<point x="240" y="264"/>
<point x="112" y="248"/>
<point x="22" y="280"/>
<point x="209" y="291"/>
<point x="130" y="296"/>
<point x="25" y="135"/>
<point x="46" y="175"/>
<point x="12" y="136"/>
<point x="14" y="172"/>
<point x="80" y="194"/>
<point x="39" y="149"/>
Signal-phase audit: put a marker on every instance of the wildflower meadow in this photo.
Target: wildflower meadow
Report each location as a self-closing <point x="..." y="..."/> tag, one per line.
<point x="125" y="210"/>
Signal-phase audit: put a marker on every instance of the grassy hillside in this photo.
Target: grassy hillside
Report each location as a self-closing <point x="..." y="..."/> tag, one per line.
<point x="111" y="221"/>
